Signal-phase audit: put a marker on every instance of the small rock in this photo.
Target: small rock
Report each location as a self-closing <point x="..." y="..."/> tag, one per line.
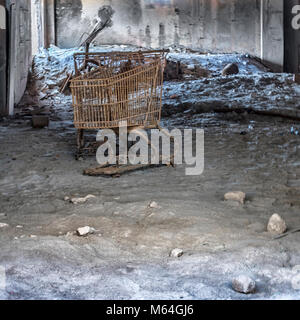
<point x="33" y="236"/>
<point x="19" y="227"/>
<point x="85" y="231"/>
<point x="67" y="198"/>
<point x="230" y="69"/>
<point x="82" y="200"/>
<point x="176" y="253"/>
<point x="153" y="205"/>
<point x="243" y="284"/>
<point x="276" y="225"/>
<point x="4" y="225"/>
<point x="235" y="196"/>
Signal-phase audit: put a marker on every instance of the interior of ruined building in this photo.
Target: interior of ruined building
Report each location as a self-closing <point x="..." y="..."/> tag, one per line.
<point x="232" y="69"/>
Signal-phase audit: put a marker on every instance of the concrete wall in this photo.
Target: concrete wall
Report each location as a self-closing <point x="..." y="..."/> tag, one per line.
<point x="272" y="47"/>
<point x="292" y="36"/>
<point x="207" y="25"/>
<point x="19" y="49"/>
<point x="3" y="56"/>
<point x="43" y="24"/>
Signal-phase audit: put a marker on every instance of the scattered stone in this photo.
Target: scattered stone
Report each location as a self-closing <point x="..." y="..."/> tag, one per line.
<point x="3" y="225"/>
<point x="33" y="236"/>
<point x="176" y="253"/>
<point x="243" y="284"/>
<point x="276" y="225"/>
<point x="153" y="205"/>
<point x="66" y="198"/>
<point x="85" y="231"/>
<point x="80" y="200"/>
<point x="19" y="227"/>
<point x="238" y="196"/>
<point x="230" y="69"/>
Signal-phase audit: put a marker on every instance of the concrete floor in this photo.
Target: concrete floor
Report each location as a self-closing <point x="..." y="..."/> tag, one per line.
<point x="128" y="256"/>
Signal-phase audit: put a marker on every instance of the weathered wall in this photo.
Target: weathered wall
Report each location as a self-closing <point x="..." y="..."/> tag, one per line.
<point x="272" y="47"/>
<point x="208" y="25"/>
<point x="3" y="57"/>
<point x="245" y="26"/>
<point x="19" y="49"/>
<point x="292" y="36"/>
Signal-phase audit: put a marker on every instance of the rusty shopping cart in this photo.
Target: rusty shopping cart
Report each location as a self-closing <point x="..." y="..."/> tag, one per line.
<point x="109" y="88"/>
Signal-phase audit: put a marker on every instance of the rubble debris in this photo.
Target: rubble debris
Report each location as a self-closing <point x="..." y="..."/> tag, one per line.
<point x="40" y="111"/>
<point x="238" y="196"/>
<point x="173" y="71"/>
<point x="3" y="225"/>
<point x="230" y="69"/>
<point x="297" y="78"/>
<point x="176" y="253"/>
<point x="294" y="131"/>
<point x="40" y="122"/>
<point x="66" y="82"/>
<point x="153" y="205"/>
<point x="276" y="225"/>
<point x="84" y="231"/>
<point x="80" y="200"/>
<point x="117" y="171"/>
<point x="195" y="72"/>
<point x="114" y="170"/>
<point x="243" y="284"/>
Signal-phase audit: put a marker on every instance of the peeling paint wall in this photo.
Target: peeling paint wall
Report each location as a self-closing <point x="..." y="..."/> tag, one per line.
<point x="272" y="46"/>
<point x="20" y="57"/>
<point x="208" y="25"/>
